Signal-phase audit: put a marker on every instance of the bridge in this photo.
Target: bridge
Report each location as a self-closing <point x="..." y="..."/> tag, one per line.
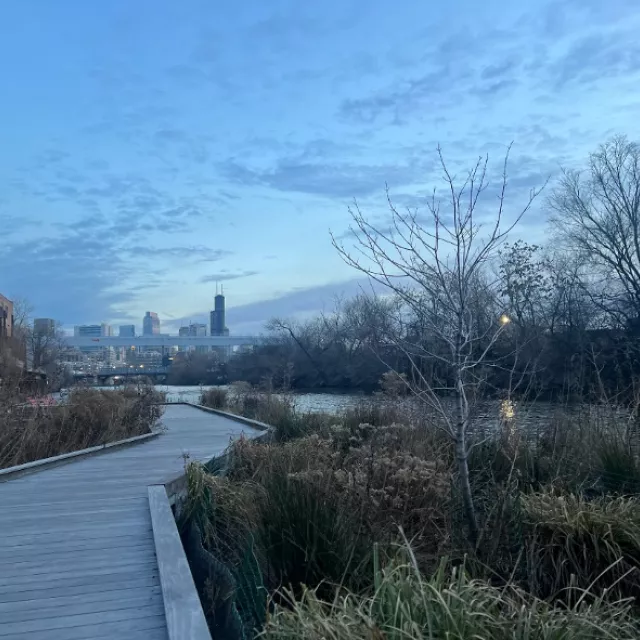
<point x="163" y="341"/>
<point x="90" y="548"/>
<point x="103" y="373"/>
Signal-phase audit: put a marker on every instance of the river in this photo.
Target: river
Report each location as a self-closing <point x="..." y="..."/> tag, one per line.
<point x="531" y="417"/>
<point x="303" y="402"/>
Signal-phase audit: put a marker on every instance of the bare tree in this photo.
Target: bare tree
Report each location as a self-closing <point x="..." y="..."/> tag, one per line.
<point x="45" y="346"/>
<point x="526" y="285"/>
<point x="22" y="310"/>
<point x="436" y="266"/>
<point x="597" y="212"/>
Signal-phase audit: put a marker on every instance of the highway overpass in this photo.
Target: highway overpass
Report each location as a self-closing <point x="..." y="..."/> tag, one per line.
<point x="162" y="341"/>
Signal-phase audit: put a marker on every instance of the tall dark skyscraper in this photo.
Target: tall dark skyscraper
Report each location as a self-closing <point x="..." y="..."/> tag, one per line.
<point x="150" y="324"/>
<point x="218" y="320"/>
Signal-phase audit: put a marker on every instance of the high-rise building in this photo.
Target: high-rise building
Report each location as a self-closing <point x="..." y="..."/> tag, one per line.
<point x="105" y="354"/>
<point x="127" y="331"/>
<point x="44" y="326"/>
<point x="197" y="329"/>
<point x="92" y="330"/>
<point x="151" y="324"/>
<point x="217" y="318"/>
<point x="6" y="317"/>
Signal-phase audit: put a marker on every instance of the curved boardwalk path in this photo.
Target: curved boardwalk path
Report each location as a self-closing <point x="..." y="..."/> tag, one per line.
<point x="77" y="557"/>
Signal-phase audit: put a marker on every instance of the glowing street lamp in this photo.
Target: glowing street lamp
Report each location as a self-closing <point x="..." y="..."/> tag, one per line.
<point x="504" y="319"/>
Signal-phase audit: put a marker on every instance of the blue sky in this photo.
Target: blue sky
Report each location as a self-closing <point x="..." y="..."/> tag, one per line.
<point x="149" y="149"/>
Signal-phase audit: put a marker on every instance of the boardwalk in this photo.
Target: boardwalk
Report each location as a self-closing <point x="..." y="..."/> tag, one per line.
<point x="77" y="557"/>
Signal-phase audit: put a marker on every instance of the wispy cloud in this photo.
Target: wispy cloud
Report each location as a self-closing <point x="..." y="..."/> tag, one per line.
<point x="224" y="276"/>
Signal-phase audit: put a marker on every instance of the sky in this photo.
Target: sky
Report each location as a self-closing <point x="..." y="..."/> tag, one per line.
<point x="150" y="149"/>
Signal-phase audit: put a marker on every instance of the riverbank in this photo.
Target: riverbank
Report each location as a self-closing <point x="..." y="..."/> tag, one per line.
<point x="351" y="525"/>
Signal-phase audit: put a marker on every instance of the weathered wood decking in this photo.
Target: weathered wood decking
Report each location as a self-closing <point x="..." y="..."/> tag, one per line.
<point x="77" y="554"/>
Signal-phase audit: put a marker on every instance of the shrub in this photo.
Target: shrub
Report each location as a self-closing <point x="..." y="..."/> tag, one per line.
<point x="377" y="476"/>
<point x="586" y="544"/>
<point x="281" y="532"/>
<point x="214" y="398"/>
<point x="407" y="606"/>
<point x="224" y="516"/>
<point x="619" y="468"/>
<point x="377" y="414"/>
<point x="311" y="536"/>
<point x="279" y="412"/>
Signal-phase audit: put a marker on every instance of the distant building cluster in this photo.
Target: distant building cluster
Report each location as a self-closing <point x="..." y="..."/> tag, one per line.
<point x="151" y="326"/>
<point x="44" y="329"/>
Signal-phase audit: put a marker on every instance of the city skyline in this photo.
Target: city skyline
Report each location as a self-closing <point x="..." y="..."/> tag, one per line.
<point x="150" y="150"/>
<point x="151" y="323"/>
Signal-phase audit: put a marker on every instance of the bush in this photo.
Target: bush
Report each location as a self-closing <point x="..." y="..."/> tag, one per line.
<point x="214" y="398"/>
<point x="378" y="477"/>
<point x="311" y="536"/>
<point x="620" y="469"/>
<point x="224" y="516"/>
<point x="377" y="414"/>
<point x="281" y="532"/>
<point x="407" y="606"/>
<point x="279" y="412"/>
<point x="586" y="544"/>
<point x="90" y="417"/>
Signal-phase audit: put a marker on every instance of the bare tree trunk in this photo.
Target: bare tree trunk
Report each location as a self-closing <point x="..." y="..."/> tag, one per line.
<point x="462" y="460"/>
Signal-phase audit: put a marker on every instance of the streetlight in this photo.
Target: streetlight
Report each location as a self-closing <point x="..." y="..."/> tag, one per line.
<point x="504" y="319"/>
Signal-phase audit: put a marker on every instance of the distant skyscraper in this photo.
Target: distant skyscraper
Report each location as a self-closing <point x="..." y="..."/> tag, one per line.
<point x="217" y="318"/>
<point x="95" y="331"/>
<point x="127" y="331"/>
<point x="6" y="317"/>
<point x="92" y="330"/>
<point x="150" y="324"/>
<point x="197" y="329"/>
<point x="44" y="326"/>
<point x="183" y="332"/>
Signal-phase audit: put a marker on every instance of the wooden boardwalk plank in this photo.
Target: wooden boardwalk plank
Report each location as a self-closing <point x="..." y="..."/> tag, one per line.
<point x="26" y="607"/>
<point x="77" y="552"/>
<point x="105" y="586"/>
<point x="154" y="626"/>
<point x="83" y="606"/>
<point x="45" y="623"/>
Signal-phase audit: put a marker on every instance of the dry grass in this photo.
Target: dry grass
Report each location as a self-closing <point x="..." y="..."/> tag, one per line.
<point x="90" y="417"/>
<point x="388" y="477"/>
<point x="406" y="605"/>
<point x="588" y="544"/>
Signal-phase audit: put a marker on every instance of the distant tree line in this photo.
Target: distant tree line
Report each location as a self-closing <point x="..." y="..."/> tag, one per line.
<point x="560" y="320"/>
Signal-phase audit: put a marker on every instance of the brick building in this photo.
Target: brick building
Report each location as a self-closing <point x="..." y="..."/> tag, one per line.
<point x="6" y="317"/>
